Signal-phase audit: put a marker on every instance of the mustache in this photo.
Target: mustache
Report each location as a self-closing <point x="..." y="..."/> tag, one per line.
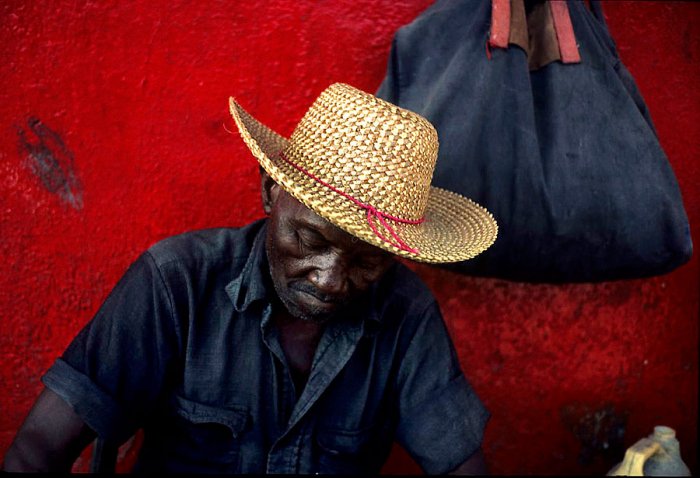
<point x="313" y="291"/>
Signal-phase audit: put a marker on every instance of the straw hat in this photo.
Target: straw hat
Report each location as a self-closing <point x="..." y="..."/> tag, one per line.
<point x="365" y="165"/>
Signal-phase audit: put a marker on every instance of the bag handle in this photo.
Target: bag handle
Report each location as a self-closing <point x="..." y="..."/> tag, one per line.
<point x="635" y="457"/>
<point x="564" y="31"/>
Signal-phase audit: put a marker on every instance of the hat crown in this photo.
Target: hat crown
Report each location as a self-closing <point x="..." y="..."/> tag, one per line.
<point x="371" y="150"/>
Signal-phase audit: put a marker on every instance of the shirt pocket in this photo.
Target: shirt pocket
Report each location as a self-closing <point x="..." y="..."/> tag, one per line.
<point x="346" y="451"/>
<point x="206" y="437"/>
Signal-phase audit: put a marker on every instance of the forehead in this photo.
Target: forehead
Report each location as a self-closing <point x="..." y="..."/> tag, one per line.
<point x="299" y="217"/>
<point x="289" y="207"/>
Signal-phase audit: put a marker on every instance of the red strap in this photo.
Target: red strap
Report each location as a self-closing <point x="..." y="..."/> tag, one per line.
<point x="500" y="23"/>
<point x="565" y="32"/>
<point x="372" y="212"/>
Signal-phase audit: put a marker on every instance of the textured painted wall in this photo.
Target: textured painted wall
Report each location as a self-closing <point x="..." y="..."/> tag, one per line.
<point x="112" y="137"/>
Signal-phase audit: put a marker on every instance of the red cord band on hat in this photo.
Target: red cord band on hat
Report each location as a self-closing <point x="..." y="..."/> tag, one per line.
<point x="372" y="212"/>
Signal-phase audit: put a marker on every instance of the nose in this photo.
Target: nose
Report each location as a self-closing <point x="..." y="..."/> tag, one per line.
<point x="330" y="275"/>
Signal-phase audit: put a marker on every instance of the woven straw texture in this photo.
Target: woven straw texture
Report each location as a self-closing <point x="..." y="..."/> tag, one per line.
<point x="380" y="155"/>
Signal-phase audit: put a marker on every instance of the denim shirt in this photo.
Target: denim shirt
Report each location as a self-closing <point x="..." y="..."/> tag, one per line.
<point x="184" y="348"/>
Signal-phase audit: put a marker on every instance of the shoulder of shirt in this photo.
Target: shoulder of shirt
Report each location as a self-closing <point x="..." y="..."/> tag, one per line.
<point x="192" y="248"/>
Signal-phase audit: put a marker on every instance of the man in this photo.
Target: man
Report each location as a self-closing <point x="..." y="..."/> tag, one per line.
<point x="295" y="344"/>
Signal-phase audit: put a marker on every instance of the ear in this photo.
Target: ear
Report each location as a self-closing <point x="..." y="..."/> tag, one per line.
<point x="269" y="190"/>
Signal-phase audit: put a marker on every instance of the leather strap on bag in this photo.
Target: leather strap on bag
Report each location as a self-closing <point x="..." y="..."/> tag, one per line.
<point x="542" y="29"/>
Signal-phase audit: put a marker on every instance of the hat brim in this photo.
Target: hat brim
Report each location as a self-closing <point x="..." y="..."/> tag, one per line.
<point x="455" y="227"/>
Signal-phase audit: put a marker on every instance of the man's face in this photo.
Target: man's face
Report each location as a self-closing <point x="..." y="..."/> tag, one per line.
<point x="317" y="269"/>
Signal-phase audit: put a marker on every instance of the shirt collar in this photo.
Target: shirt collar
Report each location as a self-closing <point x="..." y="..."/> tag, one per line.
<point x="253" y="282"/>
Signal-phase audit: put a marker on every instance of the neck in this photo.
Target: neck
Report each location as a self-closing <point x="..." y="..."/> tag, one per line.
<point x="298" y="339"/>
<point x="301" y="328"/>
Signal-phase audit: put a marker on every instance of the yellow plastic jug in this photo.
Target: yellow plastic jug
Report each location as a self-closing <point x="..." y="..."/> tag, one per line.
<point x="658" y="454"/>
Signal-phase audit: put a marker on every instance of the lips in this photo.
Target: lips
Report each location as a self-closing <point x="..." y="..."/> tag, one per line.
<point x="316" y="303"/>
<point x="308" y="289"/>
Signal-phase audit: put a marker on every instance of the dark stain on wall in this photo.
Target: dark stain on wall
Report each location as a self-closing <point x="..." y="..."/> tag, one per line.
<point x="48" y="157"/>
<point x="600" y="430"/>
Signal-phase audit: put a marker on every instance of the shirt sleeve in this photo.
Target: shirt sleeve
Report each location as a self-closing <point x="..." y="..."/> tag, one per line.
<point x="441" y="419"/>
<point x="114" y="370"/>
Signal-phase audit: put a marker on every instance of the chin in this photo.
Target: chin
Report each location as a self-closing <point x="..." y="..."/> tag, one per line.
<point x="316" y="319"/>
<point x="305" y="314"/>
<point x="311" y="315"/>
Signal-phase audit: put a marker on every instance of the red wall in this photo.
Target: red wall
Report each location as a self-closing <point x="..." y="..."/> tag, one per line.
<point x="111" y="138"/>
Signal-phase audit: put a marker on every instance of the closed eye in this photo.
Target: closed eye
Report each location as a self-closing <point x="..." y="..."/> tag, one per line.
<point x="309" y="243"/>
<point x="369" y="264"/>
<point x="372" y="262"/>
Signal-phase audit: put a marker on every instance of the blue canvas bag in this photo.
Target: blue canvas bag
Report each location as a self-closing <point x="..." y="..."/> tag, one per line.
<point x="565" y="156"/>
